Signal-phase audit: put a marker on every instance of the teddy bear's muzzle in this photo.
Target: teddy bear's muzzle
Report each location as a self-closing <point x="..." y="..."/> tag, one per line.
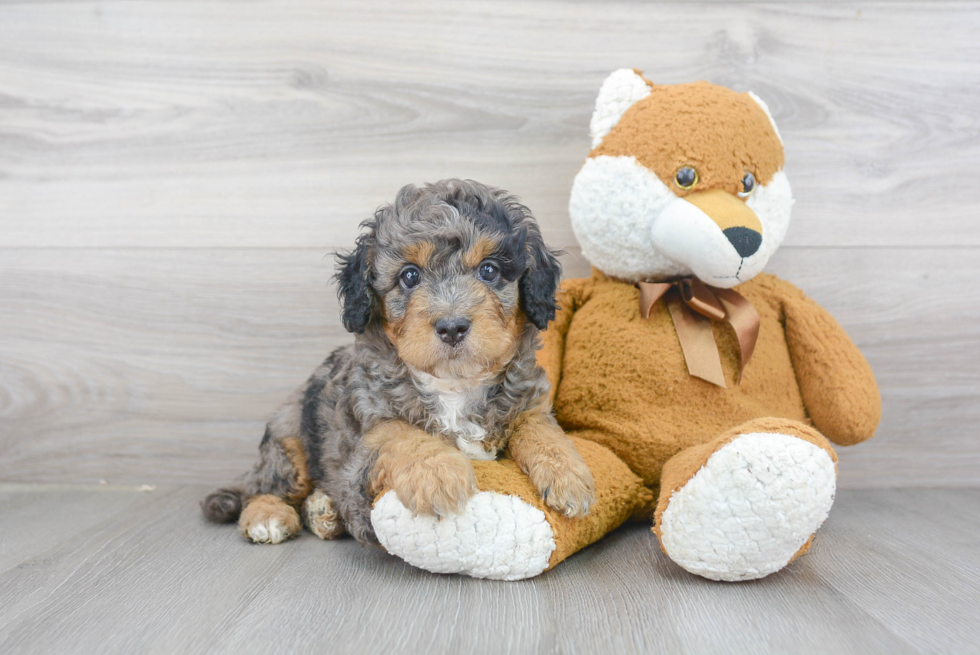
<point x="713" y="233"/>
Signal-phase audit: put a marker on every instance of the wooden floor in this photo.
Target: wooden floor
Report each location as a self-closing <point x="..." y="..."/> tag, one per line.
<point x="116" y="570"/>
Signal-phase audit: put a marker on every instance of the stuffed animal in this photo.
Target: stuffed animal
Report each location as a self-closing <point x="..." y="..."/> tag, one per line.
<point x="703" y="393"/>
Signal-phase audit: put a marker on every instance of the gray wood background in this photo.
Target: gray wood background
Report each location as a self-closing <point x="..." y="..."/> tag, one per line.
<point x="174" y="175"/>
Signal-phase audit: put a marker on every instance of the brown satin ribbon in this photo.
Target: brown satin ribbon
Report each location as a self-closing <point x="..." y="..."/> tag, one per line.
<point x="692" y="307"/>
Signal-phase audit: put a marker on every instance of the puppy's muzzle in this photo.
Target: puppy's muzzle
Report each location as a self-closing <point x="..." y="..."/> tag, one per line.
<point x="453" y="329"/>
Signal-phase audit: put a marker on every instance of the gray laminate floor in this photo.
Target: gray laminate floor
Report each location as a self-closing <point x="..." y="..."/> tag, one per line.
<point x="117" y="570"/>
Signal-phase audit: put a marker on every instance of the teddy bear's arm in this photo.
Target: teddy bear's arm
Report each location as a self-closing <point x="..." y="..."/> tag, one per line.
<point x="570" y="297"/>
<point x="838" y="387"/>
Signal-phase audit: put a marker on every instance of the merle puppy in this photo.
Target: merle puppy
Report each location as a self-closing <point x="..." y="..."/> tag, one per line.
<point x="445" y="291"/>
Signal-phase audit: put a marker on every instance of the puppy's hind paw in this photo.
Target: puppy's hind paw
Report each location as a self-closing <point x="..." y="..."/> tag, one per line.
<point x="321" y="517"/>
<point x="268" y="519"/>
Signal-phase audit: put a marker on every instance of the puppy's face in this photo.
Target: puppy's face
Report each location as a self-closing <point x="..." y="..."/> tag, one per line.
<point x="455" y="271"/>
<point x="452" y="308"/>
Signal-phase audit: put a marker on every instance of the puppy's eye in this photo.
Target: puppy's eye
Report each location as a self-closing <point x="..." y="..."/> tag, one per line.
<point x="686" y="177"/>
<point x="410" y="277"/>
<point x="748" y="185"/>
<point x="488" y="271"/>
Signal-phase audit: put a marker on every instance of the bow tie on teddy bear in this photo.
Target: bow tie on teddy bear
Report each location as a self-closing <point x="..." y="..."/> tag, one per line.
<point x="690" y="302"/>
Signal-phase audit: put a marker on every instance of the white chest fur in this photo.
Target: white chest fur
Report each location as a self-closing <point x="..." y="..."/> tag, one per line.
<point x="454" y="402"/>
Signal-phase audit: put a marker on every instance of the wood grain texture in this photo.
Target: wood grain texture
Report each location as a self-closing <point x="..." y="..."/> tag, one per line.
<point x="53" y="512"/>
<point x="173" y="175"/>
<point x="144" y="366"/>
<point x="215" y="123"/>
<point x="918" y="537"/>
<point x="161" y="365"/>
<point x="891" y="571"/>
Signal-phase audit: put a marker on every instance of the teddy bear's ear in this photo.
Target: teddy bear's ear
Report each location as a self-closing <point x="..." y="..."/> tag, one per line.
<point x="620" y="91"/>
<point x="762" y="103"/>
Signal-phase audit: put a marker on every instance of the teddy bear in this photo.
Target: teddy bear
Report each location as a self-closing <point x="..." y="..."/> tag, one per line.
<point x="704" y="394"/>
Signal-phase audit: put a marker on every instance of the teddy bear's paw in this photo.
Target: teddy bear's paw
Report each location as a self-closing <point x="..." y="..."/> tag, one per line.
<point x="750" y="508"/>
<point x="496" y="536"/>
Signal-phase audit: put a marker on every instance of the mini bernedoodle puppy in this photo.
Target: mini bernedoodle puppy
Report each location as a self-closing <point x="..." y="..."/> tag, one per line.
<point x="446" y="291"/>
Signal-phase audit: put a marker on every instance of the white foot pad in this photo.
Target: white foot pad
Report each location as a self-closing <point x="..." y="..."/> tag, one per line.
<point x="750" y="508"/>
<point x="498" y="537"/>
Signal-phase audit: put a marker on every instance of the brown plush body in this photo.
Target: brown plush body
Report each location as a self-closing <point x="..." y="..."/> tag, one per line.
<point x="621" y="380"/>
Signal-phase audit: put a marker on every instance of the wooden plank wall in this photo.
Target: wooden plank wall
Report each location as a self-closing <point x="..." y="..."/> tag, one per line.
<point x="174" y="175"/>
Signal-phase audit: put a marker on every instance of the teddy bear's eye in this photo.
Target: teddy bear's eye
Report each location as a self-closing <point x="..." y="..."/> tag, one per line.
<point x="748" y="185"/>
<point x="686" y="177"/>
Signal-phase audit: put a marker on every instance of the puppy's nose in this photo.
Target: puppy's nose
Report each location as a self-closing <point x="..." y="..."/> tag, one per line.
<point x="745" y="240"/>
<point x="452" y="330"/>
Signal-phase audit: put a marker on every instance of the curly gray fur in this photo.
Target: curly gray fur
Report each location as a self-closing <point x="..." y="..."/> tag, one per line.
<point x="360" y="385"/>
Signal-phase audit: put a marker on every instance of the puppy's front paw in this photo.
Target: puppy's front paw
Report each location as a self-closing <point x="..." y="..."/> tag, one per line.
<point x="439" y="485"/>
<point x="567" y="487"/>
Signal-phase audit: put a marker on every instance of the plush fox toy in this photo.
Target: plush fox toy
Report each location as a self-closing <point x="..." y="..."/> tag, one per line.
<point x="703" y="393"/>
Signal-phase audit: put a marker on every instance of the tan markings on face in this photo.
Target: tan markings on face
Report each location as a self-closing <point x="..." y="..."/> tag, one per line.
<point x="483" y="248"/>
<point x="494" y="331"/>
<point x="719" y="132"/>
<point x="419" y="253"/>
<point x="489" y="345"/>
<point x="413" y="335"/>
<point x="302" y="485"/>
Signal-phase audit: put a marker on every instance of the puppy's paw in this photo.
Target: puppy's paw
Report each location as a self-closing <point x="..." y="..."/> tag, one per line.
<point x="438" y="485"/>
<point x="268" y="519"/>
<point x="321" y="517"/>
<point x="565" y="485"/>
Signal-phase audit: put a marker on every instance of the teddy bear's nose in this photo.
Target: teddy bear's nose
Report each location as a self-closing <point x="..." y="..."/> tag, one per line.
<point x="745" y="240"/>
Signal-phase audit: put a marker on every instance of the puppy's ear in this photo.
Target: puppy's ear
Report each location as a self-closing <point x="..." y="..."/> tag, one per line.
<point x="540" y="281"/>
<point x="354" y="284"/>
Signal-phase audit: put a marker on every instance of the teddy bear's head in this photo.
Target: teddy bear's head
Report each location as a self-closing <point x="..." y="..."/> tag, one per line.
<point x="682" y="180"/>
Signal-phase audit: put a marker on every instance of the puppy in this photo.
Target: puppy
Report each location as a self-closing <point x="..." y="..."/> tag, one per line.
<point x="445" y="291"/>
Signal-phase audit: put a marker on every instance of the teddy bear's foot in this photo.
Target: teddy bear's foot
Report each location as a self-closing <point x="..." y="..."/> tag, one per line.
<point x="506" y="531"/>
<point x="752" y="506"/>
<point x="497" y="536"/>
